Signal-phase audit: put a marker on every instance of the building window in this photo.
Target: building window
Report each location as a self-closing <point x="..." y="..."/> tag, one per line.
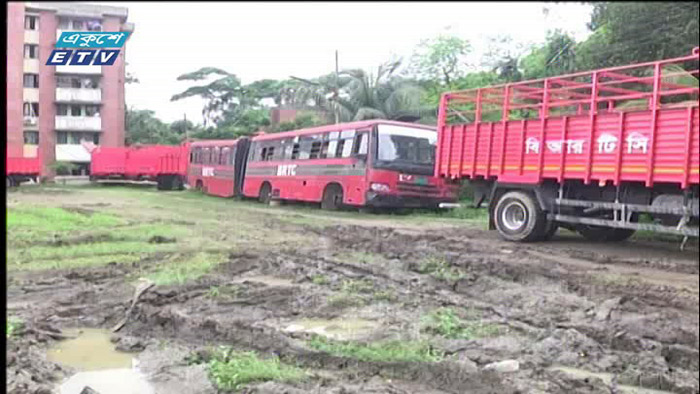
<point x="64" y="23"/>
<point x="75" y="110"/>
<point x="95" y="138"/>
<point x="31" y="51"/>
<point x="31" y="80"/>
<point x="62" y="110"/>
<point x="31" y="22"/>
<point x="31" y="138"/>
<point x="62" y="137"/>
<point x="31" y="110"/>
<point x="92" y="110"/>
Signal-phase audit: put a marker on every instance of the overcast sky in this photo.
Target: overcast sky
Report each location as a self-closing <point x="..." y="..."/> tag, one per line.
<point x="275" y="40"/>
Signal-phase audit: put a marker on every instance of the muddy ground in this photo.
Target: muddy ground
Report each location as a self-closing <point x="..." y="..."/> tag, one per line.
<point x="577" y="317"/>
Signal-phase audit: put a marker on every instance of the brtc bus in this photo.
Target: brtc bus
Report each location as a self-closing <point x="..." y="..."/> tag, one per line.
<point x="375" y="163"/>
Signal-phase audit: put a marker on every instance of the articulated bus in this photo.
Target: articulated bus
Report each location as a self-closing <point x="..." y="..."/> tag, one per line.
<point x="373" y="163"/>
<point x="216" y="166"/>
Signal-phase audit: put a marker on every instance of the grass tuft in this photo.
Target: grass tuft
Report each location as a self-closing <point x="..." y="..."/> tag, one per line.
<point x="446" y="323"/>
<point x="231" y="370"/>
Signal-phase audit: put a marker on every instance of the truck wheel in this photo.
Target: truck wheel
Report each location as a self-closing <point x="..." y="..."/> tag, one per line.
<point x="519" y="218"/>
<point x="332" y="198"/>
<point x="265" y="194"/>
<point x="176" y="183"/>
<point x="550" y="230"/>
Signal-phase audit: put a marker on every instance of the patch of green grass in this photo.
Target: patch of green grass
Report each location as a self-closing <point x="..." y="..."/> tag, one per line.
<point x="439" y="269"/>
<point x="54" y="219"/>
<point x="319" y="279"/>
<point x="21" y="257"/>
<point x="185" y="268"/>
<point x="354" y="286"/>
<point x="392" y="351"/>
<point x="385" y="295"/>
<point x="223" y="291"/>
<point x="74" y="262"/>
<point x="231" y="370"/>
<point x="14" y="325"/>
<point x="344" y="300"/>
<point x="446" y="323"/>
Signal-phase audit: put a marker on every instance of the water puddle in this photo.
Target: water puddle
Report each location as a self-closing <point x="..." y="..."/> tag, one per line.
<point x="266" y="280"/>
<point x="100" y="366"/>
<point x="607" y="379"/>
<point x="339" y="329"/>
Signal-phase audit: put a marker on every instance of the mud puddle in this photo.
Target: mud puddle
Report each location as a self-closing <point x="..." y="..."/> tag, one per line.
<point x="339" y="329"/>
<point x="607" y="378"/>
<point x="99" y="365"/>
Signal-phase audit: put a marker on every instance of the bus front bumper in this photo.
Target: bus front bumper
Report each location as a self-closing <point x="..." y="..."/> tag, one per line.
<point x="379" y="200"/>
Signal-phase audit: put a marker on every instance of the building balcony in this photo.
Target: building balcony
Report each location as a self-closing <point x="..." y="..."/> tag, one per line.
<point x="31" y="122"/>
<point x="78" y="95"/>
<point x="79" y="123"/>
<point x="72" y="153"/>
<point x="82" y="70"/>
<point x="30" y="66"/>
<point x="31" y="36"/>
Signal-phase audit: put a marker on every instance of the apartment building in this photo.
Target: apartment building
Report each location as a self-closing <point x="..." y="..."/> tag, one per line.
<point x="58" y="112"/>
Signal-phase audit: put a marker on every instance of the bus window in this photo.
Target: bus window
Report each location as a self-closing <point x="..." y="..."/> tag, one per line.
<point x="361" y="144"/>
<point x="192" y="157"/>
<point x="215" y="156"/>
<point x="232" y="156"/>
<point x="225" y="152"/>
<point x="270" y="154"/>
<point x="305" y="150"/>
<point x="295" y="151"/>
<point x="206" y="155"/>
<point x="263" y="153"/>
<point x="345" y="143"/>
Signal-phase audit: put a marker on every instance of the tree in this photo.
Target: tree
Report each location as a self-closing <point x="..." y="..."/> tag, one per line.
<point x="636" y="32"/>
<point x="220" y="93"/>
<point x="142" y="127"/>
<point x="440" y="59"/>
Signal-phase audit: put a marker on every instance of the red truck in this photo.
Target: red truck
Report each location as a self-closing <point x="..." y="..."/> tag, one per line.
<point x="164" y="164"/>
<point x="21" y="169"/>
<point x="604" y="152"/>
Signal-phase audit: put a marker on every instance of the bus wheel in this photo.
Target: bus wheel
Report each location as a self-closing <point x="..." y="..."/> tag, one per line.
<point x="265" y="193"/>
<point x="519" y="218"/>
<point x="332" y="198"/>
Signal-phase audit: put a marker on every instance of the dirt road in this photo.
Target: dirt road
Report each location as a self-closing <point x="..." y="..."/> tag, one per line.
<point x="487" y="316"/>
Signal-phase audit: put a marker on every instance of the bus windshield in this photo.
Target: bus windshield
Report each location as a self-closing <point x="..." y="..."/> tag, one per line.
<point x="406" y="149"/>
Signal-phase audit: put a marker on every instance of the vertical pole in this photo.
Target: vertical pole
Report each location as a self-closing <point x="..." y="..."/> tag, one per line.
<point x="591" y="131"/>
<point x="442" y="108"/>
<point x="654" y="116"/>
<point x="335" y="101"/>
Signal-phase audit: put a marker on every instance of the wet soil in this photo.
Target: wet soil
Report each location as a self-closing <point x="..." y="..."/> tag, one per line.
<point x="578" y="317"/>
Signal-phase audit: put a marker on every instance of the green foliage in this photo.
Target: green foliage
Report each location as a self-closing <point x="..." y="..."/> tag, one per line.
<point x="446" y="323"/>
<point x="62" y="167"/>
<point x="636" y="32"/>
<point x="302" y="121"/>
<point x="14" y="325"/>
<point x="439" y="269"/>
<point x="392" y="351"/>
<point x="319" y="279"/>
<point x="142" y="127"/>
<point x="440" y="59"/>
<point x="231" y="370"/>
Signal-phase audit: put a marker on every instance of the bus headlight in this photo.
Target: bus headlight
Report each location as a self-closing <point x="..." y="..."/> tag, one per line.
<point x="379" y="187"/>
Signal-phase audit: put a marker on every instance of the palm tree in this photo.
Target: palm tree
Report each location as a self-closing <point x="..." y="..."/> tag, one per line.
<point x="358" y="95"/>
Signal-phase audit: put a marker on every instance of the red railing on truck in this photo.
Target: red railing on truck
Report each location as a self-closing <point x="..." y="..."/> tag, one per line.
<point x="634" y="123"/>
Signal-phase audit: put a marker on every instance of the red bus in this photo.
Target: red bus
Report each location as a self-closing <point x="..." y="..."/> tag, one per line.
<point x="215" y="167"/>
<point x="376" y="163"/>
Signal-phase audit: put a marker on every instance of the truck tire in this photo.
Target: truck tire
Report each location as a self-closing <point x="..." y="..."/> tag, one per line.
<point x="332" y="198"/>
<point x="519" y="218"/>
<point x="550" y="230"/>
<point x="176" y="183"/>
